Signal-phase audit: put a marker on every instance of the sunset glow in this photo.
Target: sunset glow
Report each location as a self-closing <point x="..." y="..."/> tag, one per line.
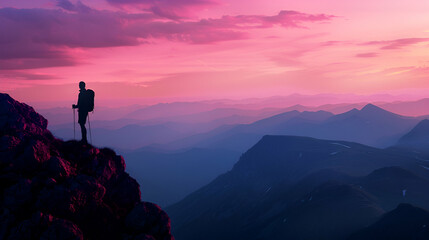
<point x="207" y="49"/>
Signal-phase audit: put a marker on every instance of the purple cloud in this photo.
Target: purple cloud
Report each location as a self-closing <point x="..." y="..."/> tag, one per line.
<point x="172" y="9"/>
<point x="397" y="43"/>
<point x="38" y="38"/>
<point x="69" y="6"/>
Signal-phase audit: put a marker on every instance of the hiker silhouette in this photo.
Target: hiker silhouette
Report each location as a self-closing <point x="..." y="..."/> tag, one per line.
<point x="85" y="104"/>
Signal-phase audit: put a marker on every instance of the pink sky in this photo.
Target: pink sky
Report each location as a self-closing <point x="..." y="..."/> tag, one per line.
<point x="205" y="49"/>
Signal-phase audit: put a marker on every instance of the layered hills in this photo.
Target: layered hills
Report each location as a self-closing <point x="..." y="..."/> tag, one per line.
<point x="288" y="187"/>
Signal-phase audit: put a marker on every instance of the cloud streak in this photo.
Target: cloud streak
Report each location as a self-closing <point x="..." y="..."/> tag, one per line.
<point x="397" y="43"/>
<point x="367" y="55"/>
<point x="18" y="75"/>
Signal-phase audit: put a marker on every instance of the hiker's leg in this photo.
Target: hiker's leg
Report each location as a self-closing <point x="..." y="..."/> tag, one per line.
<point x="83" y="130"/>
<point x="82" y="122"/>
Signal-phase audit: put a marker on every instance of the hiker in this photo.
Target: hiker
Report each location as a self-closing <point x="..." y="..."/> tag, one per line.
<point x="85" y="104"/>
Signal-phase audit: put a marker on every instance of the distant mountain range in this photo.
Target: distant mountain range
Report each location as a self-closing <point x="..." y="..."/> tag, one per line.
<point x="216" y="109"/>
<point x="371" y="125"/>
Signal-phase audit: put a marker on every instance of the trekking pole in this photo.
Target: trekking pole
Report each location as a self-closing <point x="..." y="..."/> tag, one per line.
<point x="90" y="133"/>
<point x="74" y="124"/>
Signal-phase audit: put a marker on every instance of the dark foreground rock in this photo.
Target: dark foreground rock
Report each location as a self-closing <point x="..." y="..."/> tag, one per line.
<point x="52" y="189"/>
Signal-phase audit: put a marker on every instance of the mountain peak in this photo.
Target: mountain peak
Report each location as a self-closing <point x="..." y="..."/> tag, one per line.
<point x="371" y="108"/>
<point x="53" y="189"/>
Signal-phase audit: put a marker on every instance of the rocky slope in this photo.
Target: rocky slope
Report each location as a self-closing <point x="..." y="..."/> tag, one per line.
<point x="52" y="189"/>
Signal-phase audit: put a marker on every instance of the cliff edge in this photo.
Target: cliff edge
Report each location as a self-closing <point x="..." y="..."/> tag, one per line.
<point x="51" y="189"/>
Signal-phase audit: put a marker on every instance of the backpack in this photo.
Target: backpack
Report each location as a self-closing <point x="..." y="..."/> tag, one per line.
<point x="88" y="101"/>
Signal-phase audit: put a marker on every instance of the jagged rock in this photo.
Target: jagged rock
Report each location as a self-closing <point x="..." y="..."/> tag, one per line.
<point x="59" y="168"/>
<point x="35" y="153"/>
<point x="52" y="189"/>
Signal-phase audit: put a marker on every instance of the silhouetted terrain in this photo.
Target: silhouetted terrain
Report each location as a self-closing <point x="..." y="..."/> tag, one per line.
<point x="52" y="189"/>
<point x="301" y="188"/>
<point x="371" y="125"/>
<point x="284" y="187"/>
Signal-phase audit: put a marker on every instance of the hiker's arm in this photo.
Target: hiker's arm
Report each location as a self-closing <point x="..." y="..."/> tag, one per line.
<point x="78" y="103"/>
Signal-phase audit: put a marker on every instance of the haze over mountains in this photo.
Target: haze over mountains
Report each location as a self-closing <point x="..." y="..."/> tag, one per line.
<point x="187" y="135"/>
<point x="200" y="117"/>
<point x="371" y="125"/>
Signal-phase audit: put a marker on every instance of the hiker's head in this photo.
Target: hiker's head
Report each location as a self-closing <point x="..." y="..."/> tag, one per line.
<point x="82" y="85"/>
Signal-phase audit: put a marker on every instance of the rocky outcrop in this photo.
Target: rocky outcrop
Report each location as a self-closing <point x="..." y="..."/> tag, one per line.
<point x="51" y="189"/>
